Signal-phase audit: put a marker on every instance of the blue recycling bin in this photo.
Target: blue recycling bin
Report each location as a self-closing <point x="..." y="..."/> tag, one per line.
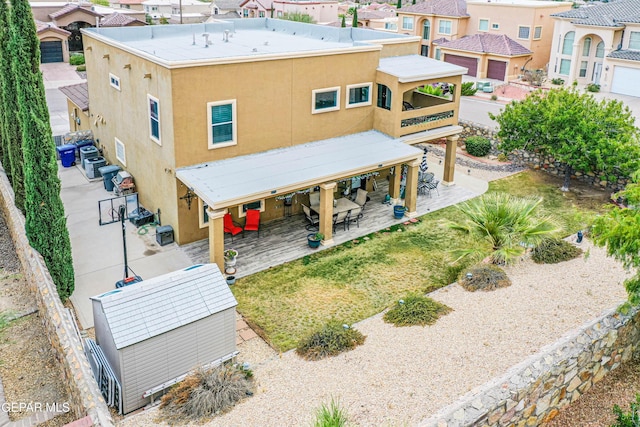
<point x="108" y="172"/>
<point x="67" y="154"/>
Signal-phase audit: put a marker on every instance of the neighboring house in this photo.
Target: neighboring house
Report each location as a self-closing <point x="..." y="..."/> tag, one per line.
<point x="599" y="44"/>
<point x="385" y="20"/>
<point x="257" y="9"/>
<point x="234" y="115"/>
<point x="192" y="12"/>
<point x="221" y="8"/>
<point x="157" y="10"/>
<point x="120" y="20"/>
<point x="155" y="332"/>
<point x="77" y="106"/>
<point x="54" y="42"/>
<point x="127" y="4"/>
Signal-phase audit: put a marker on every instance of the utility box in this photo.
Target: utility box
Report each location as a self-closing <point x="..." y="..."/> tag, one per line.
<point x="88" y="152"/>
<point x="164" y="235"/>
<point x="92" y="166"/>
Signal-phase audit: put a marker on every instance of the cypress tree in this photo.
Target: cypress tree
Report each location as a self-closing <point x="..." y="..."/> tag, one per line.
<point x="45" y="223"/>
<point x="344" y="24"/>
<point x="399" y="4"/>
<point x="4" y="148"/>
<point x="354" y="24"/>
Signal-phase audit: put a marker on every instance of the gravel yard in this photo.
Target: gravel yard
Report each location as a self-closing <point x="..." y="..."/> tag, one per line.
<point x="402" y="375"/>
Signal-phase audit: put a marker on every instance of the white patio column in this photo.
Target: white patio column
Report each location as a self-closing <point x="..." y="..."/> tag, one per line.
<point x="411" y="189"/>
<point x="326" y="211"/>
<point x="575" y="61"/>
<point x="450" y="160"/>
<point x="216" y="237"/>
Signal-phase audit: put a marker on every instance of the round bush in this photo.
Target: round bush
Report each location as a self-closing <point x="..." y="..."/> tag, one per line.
<point x="415" y="310"/>
<point x="331" y="340"/>
<point x="478" y="146"/>
<point x="76" y="59"/>
<point x="484" y="277"/>
<point x="553" y="251"/>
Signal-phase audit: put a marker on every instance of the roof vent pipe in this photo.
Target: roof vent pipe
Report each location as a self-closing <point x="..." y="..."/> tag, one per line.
<point x="206" y="39"/>
<point x="226" y="36"/>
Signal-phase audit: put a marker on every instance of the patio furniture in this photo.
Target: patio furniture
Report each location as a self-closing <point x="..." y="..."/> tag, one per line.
<point x="340" y="205"/>
<point x="433" y="185"/>
<point x="341" y="218"/>
<point x="230" y="227"/>
<point x="361" y="197"/>
<point x="311" y="217"/>
<point x="252" y="222"/>
<point x="314" y="198"/>
<point x="354" y="216"/>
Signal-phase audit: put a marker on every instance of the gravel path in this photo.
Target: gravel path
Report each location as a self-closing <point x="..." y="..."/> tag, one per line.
<point x="402" y="375"/>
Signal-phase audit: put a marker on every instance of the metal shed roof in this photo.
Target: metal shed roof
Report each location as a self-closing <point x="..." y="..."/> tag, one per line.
<point x="241" y="179"/>
<point x="413" y="68"/>
<point x="149" y="308"/>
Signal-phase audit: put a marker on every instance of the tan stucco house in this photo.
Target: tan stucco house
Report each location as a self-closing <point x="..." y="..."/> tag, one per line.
<point x="251" y="110"/>
<point x="599" y="44"/>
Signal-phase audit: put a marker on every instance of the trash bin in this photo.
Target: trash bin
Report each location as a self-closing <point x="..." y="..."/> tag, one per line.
<point x="81" y="144"/>
<point x="164" y="235"/>
<point x="88" y="152"/>
<point x="108" y="172"/>
<point x="67" y="154"/>
<point x="93" y="165"/>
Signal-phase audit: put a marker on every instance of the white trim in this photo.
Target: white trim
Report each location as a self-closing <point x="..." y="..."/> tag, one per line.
<point x="234" y="118"/>
<point x="201" y="207"/>
<point x="114" y="81"/>
<point x="440" y="21"/>
<point x="488" y="25"/>
<point x="412" y="23"/>
<point x="347" y="104"/>
<point x="153" y="138"/>
<point x="122" y="159"/>
<point x="314" y="92"/>
<point x="242" y="214"/>
<point x="528" y="27"/>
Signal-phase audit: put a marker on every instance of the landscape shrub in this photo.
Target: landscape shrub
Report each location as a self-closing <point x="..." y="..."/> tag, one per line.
<point x="415" y="310"/>
<point x="557" y="81"/>
<point x="593" y="87"/>
<point x="331" y="415"/>
<point x="468" y="89"/>
<point x="431" y="90"/>
<point x="628" y="419"/>
<point x="484" y="277"/>
<point x="503" y="157"/>
<point x="76" y="59"/>
<point x="478" y="146"/>
<point x="494" y="97"/>
<point x="334" y="338"/>
<point x="81" y="68"/>
<point x="207" y="392"/>
<point x="553" y="251"/>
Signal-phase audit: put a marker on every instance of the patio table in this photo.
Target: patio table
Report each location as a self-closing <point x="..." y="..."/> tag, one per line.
<point x="341" y="205"/>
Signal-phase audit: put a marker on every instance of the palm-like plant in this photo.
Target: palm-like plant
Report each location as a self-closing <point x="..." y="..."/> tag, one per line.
<point x="507" y="225"/>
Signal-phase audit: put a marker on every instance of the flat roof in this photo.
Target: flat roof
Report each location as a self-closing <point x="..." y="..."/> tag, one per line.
<point x="248" y="39"/>
<point x="231" y="182"/>
<point x="413" y="68"/>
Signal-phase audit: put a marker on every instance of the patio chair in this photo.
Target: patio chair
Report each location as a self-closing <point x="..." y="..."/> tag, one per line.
<point x="433" y="185"/>
<point x="252" y="222"/>
<point x="314" y="199"/>
<point x="312" y="218"/>
<point x="361" y="197"/>
<point x="230" y="227"/>
<point x="423" y="189"/>
<point x="341" y="218"/>
<point x="354" y="216"/>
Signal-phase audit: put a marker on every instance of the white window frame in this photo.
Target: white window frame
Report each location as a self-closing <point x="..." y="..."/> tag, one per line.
<point x="481" y="20"/>
<point x="153" y="138"/>
<point x="528" y="27"/>
<point x="495" y="26"/>
<point x="122" y="159"/>
<point x="584" y="66"/>
<point x="409" y="27"/>
<point x="201" y="207"/>
<point x="114" y="81"/>
<point x="537" y="29"/>
<point x="440" y="22"/>
<point x="356" y="86"/>
<point x="314" y="92"/>
<point x="242" y="213"/>
<point x="234" y="118"/>
<point x="633" y="34"/>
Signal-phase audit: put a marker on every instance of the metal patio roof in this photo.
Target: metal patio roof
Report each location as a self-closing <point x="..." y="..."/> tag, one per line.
<point x="231" y="182"/>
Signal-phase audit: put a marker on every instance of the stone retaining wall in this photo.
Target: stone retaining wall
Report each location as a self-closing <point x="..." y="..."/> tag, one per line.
<point x="535" y="390"/>
<point x="536" y="160"/>
<point x="86" y="399"/>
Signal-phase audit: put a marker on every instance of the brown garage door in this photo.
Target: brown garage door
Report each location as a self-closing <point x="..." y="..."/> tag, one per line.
<point x="470" y="64"/>
<point x="496" y="69"/>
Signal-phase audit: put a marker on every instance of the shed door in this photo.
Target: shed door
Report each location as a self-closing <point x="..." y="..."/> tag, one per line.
<point x="496" y="69"/>
<point x="625" y="81"/>
<point x="471" y="64"/>
<point x="51" y="52"/>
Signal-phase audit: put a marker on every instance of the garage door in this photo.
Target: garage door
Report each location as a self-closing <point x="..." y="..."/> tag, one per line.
<point x="51" y="52"/>
<point x="625" y="81"/>
<point x="496" y="69"/>
<point x="471" y="64"/>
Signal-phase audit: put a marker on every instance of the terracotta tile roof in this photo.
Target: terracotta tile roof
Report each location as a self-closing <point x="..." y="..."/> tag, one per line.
<point x="375" y="14"/>
<point x="613" y="14"/>
<point x="438" y="7"/>
<point x="47" y="26"/>
<point x="78" y="94"/>
<point x="488" y="43"/>
<point x="631" y="55"/>
<point x="119" y="20"/>
<point x="130" y="1"/>
<point x="70" y="8"/>
<point x="440" y="40"/>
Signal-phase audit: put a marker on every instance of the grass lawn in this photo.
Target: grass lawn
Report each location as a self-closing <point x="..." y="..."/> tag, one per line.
<point x="361" y="278"/>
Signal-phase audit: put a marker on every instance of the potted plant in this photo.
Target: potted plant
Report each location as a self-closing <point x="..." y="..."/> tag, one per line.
<point x="231" y="280"/>
<point x="230" y="257"/>
<point x="398" y="211"/>
<point x="314" y="240"/>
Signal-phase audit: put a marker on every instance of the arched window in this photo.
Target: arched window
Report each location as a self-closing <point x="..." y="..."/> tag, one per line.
<point x="586" y="47"/>
<point x="426" y="29"/>
<point x="567" y="44"/>
<point x="600" y="50"/>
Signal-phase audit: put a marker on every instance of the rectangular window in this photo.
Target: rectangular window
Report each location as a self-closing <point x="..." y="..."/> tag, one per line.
<point x="203" y="216"/>
<point x="444" y="27"/>
<point x="390" y="26"/>
<point x="279" y="14"/>
<point x="407" y="22"/>
<point x="384" y="97"/>
<point x="537" y="33"/>
<point x="324" y="100"/>
<point x="261" y="14"/>
<point x="424" y="50"/>
<point x="114" y="81"/>
<point x="634" y="40"/>
<point x="258" y="204"/>
<point x="495" y="26"/>
<point x="437" y="54"/>
<point x="154" y="119"/>
<point x="245" y="13"/>
<point x="483" y="25"/>
<point x="523" y="32"/>
<point x="583" y="68"/>
<point x="222" y="123"/>
<point x="121" y="153"/>
<point x="358" y="95"/>
<point x="565" y="67"/>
